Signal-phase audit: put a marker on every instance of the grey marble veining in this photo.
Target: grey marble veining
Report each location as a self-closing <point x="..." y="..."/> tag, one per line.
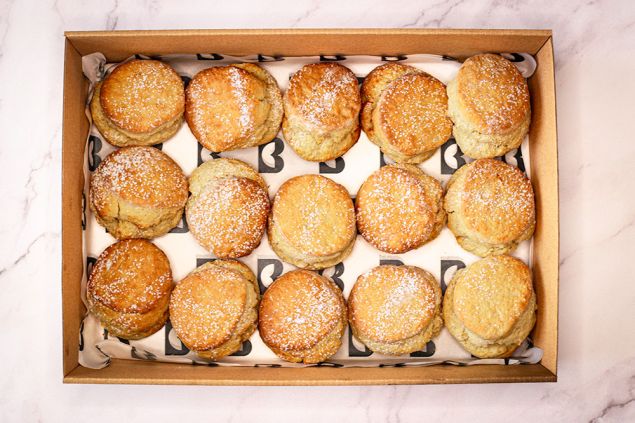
<point x="595" y="87"/>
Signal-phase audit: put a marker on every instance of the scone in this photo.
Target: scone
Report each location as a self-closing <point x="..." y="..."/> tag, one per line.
<point x="321" y="111"/>
<point x="138" y="192"/>
<point x="395" y="309"/>
<point x="490" y="306"/>
<point x="312" y="222"/>
<point x="228" y="209"/>
<point x="404" y="112"/>
<point x="215" y="308"/>
<point x="399" y="208"/>
<point x="490" y="207"/>
<point x="489" y="105"/>
<point x="129" y="289"/>
<point x="302" y="317"/>
<point x="140" y="103"/>
<point x="232" y="107"/>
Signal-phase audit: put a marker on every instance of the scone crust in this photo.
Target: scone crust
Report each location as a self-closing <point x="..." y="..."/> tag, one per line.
<point x="138" y="192"/>
<point x="490" y="206"/>
<point x="142" y="95"/>
<point x="395" y="309"/>
<point x="129" y="288"/>
<point x="213" y="310"/>
<point x="232" y="107"/>
<point x="404" y="112"/>
<point x="492" y="94"/>
<point x="489" y="105"/>
<point x="490" y="307"/>
<point x="399" y="208"/>
<point x="312" y="217"/>
<point x="321" y="111"/>
<point x="302" y="317"/>
<point x="228" y="209"/>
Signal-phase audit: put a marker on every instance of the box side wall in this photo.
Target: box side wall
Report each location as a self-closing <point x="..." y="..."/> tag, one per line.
<point x="459" y="43"/>
<point x="543" y="148"/>
<point x="124" y="371"/>
<point x="75" y="128"/>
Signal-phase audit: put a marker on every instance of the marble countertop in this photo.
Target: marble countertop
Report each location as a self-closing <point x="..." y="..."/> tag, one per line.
<point x="595" y="88"/>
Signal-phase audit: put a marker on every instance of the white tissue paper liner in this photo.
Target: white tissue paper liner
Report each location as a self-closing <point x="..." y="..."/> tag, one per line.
<point x="277" y="162"/>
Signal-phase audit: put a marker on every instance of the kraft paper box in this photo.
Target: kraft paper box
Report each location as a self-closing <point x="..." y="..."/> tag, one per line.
<point x="542" y="147"/>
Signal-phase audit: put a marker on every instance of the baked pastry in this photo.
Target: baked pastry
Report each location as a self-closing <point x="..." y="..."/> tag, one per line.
<point x="302" y="317"/>
<point x="404" y="112"/>
<point x="488" y="102"/>
<point x="232" y="107"/>
<point x="129" y="288"/>
<point x="399" y="208"/>
<point x="312" y="222"/>
<point x="214" y="309"/>
<point x="490" y="306"/>
<point x="321" y="111"/>
<point x="138" y="192"/>
<point x="140" y="103"/>
<point x="395" y="310"/>
<point x="490" y="207"/>
<point x="228" y="209"/>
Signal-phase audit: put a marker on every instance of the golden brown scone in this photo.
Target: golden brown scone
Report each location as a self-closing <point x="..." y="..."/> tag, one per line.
<point x="302" y="317"/>
<point x="489" y="105"/>
<point x="490" y="207"/>
<point x="399" y="208"/>
<point x="228" y="209"/>
<point x="129" y="289"/>
<point x="321" y="111"/>
<point x="232" y="107"/>
<point x="140" y="103"/>
<point x="138" y="192"/>
<point x="404" y="112"/>
<point x="214" y="309"/>
<point x="490" y="306"/>
<point x="312" y="222"/>
<point x="395" y="309"/>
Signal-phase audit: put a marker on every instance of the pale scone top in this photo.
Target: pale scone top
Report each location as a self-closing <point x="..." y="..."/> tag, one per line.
<point x="224" y="106"/>
<point x="397" y="208"/>
<point x="142" y="176"/>
<point x="491" y="294"/>
<point x="315" y="214"/>
<point x="496" y="200"/>
<point x="207" y="305"/>
<point x="130" y="276"/>
<point x="323" y="95"/>
<point x="493" y="94"/>
<point x="393" y="303"/>
<point x="141" y="95"/>
<point x="299" y="309"/>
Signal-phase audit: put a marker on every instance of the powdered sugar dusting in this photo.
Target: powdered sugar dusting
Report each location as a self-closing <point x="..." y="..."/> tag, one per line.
<point x="140" y="175"/>
<point x="130" y="276"/>
<point x="495" y="89"/>
<point x="391" y="303"/>
<point x="394" y="211"/>
<point x="298" y="309"/>
<point x="229" y="216"/>
<point x="497" y="199"/>
<point x="144" y="94"/>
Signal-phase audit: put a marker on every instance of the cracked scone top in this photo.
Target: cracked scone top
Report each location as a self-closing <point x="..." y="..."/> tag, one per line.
<point x="129" y="288"/>
<point x="138" y="192"/>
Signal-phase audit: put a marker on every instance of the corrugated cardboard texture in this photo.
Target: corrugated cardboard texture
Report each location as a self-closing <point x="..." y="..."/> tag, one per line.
<point x="457" y="43"/>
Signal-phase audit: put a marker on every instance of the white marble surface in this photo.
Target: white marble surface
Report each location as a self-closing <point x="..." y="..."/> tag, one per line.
<point x="594" y="42"/>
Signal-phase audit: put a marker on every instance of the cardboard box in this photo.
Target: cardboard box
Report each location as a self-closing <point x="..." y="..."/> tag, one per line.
<point x="118" y="45"/>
